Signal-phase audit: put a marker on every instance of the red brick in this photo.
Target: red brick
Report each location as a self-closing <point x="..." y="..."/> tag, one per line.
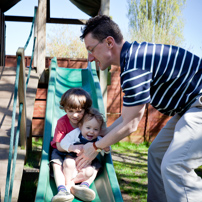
<point x="39" y="108"/>
<point x="37" y="127"/>
<point x="41" y="93"/>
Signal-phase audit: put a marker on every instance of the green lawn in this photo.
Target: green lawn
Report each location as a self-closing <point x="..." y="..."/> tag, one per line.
<point x="130" y="163"/>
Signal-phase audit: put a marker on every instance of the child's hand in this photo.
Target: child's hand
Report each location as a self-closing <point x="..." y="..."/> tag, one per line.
<point x="76" y="148"/>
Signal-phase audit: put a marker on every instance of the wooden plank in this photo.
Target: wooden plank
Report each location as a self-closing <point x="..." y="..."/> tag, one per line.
<point x="39" y="108"/>
<point x="41" y="93"/>
<point x="22" y="98"/>
<point x="41" y="37"/>
<point x="6" y="108"/>
<point x="51" y="20"/>
<point x="37" y="127"/>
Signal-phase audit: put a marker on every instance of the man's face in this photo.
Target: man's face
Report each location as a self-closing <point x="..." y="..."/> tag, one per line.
<point x="98" y="51"/>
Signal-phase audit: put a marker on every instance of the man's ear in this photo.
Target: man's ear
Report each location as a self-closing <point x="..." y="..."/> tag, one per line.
<point x="110" y="41"/>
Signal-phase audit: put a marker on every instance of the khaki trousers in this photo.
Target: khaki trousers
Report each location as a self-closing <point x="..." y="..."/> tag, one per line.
<point x="173" y="156"/>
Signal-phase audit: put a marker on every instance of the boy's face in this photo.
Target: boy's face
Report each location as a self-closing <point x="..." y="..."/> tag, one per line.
<point x="74" y="115"/>
<point x="90" y="129"/>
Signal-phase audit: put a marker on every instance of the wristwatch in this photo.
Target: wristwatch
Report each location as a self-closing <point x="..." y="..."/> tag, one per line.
<point x="96" y="148"/>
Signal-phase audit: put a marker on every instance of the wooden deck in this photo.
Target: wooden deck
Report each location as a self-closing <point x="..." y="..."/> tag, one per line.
<point x="7" y="81"/>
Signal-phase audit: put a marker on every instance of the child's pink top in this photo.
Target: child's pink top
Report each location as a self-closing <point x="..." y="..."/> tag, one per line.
<point x="62" y="128"/>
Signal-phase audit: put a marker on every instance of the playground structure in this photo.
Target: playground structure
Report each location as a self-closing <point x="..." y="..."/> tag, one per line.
<point x="106" y="185"/>
<point x="61" y="79"/>
<point x="42" y="16"/>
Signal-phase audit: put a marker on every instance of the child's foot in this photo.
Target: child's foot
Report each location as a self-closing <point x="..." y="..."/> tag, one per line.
<point x="62" y="196"/>
<point x="83" y="192"/>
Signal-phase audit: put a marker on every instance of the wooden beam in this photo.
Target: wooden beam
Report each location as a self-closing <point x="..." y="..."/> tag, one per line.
<point x="2" y="39"/>
<point x="50" y="20"/>
<point x="67" y="21"/>
<point x="18" y="18"/>
<point x="41" y="38"/>
<point x="22" y="99"/>
<point x="48" y="11"/>
<point x="104" y="10"/>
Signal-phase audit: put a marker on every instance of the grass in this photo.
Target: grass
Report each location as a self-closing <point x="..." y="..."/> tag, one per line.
<point x="34" y="155"/>
<point x="130" y="163"/>
<point x="30" y="178"/>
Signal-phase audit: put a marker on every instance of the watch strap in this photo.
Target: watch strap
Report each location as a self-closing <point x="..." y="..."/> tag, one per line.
<point x="96" y="148"/>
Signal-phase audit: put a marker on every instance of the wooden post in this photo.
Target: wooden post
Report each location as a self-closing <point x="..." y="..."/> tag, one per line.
<point x="1" y="36"/>
<point x="104" y="10"/>
<point x="2" y="39"/>
<point x="35" y="59"/>
<point x="22" y="98"/>
<point x="41" y="38"/>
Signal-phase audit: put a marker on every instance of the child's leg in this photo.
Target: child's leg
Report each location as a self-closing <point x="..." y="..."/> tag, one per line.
<point x="63" y="194"/>
<point x="69" y="167"/>
<point x="56" y="163"/>
<point x="85" y="174"/>
<point x="82" y="191"/>
<point x="58" y="174"/>
<point x="90" y="180"/>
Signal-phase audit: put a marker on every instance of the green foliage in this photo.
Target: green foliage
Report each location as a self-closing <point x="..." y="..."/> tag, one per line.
<point x="156" y="21"/>
<point x="63" y="43"/>
<point x="34" y="155"/>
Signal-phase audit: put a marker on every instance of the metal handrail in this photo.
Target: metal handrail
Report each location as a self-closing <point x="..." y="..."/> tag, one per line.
<point x="20" y="89"/>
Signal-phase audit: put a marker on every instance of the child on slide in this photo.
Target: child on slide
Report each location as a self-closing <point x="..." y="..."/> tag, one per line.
<point x="88" y="131"/>
<point x="74" y="102"/>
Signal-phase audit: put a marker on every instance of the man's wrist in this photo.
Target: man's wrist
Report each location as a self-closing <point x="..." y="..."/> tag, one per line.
<point x="96" y="148"/>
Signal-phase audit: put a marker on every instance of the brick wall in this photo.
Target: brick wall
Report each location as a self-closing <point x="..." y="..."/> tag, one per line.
<point x="10" y="61"/>
<point x="148" y="128"/>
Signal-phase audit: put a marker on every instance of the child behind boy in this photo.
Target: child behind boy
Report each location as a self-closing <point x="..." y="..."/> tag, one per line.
<point x="74" y="102"/>
<point x="88" y="131"/>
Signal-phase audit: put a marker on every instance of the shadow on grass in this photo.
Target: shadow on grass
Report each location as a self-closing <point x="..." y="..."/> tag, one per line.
<point x="131" y="169"/>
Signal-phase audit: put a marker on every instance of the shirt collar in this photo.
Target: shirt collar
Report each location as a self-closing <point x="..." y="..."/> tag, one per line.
<point x="124" y="51"/>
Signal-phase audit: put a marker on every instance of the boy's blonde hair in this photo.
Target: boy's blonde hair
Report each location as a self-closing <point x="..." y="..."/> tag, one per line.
<point x="75" y="98"/>
<point x="90" y="114"/>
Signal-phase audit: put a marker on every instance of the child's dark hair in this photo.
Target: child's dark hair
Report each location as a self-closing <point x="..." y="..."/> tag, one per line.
<point x="75" y="98"/>
<point x="93" y="113"/>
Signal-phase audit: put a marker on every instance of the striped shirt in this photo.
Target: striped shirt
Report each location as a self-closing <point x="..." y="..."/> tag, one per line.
<point x="166" y="76"/>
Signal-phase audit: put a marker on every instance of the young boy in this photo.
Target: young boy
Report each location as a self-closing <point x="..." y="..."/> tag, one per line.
<point x="74" y="102"/>
<point x="88" y="131"/>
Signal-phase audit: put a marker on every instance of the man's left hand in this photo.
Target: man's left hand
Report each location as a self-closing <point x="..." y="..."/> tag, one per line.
<point x="86" y="156"/>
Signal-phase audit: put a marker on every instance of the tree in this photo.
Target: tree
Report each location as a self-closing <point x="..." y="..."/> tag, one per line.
<point x="156" y="21"/>
<point x="62" y="42"/>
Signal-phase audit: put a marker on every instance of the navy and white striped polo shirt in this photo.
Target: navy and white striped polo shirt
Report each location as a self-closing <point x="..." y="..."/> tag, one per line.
<point x="167" y="77"/>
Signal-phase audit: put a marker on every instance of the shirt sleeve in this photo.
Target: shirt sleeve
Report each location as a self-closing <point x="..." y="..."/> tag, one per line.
<point x="135" y="84"/>
<point x="69" y="139"/>
<point x="59" y="132"/>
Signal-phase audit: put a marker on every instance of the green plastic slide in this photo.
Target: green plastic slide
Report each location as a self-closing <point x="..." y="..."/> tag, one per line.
<point x="61" y="79"/>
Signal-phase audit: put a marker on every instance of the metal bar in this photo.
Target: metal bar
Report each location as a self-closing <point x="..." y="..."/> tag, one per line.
<point x="12" y="130"/>
<point x="15" y="153"/>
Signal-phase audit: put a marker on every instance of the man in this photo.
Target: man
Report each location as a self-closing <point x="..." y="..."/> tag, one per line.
<point x="170" y="79"/>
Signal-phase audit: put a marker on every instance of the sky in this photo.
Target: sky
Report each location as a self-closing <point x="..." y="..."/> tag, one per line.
<point x="17" y="32"/>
